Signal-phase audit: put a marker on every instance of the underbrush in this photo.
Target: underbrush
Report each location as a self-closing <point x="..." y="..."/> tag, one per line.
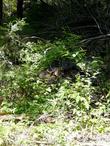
<point x="56" y="84"/>
<point x="53" y="77"/>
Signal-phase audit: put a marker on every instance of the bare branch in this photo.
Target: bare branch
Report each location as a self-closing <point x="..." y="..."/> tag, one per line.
<point x="100" y="37"/>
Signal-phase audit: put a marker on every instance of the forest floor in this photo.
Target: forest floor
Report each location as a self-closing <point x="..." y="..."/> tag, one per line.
<point x="19" y="131"/>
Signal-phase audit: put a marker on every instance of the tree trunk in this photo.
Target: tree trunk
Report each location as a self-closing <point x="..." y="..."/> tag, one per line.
<point x="20" y="9"/>
<point x="1" y="11"/>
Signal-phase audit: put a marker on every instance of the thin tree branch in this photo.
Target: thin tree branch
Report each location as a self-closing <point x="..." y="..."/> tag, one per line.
<point x="95" y="20"/>
<point x="102" y="37"/>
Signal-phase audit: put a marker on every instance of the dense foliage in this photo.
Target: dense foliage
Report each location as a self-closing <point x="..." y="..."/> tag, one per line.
<point x="54" y="67"/>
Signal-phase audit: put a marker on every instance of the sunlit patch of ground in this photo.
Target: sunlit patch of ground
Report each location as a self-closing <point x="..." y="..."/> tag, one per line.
<point x="18" y="131"/>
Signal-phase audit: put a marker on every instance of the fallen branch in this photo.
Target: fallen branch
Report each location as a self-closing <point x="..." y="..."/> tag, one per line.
<point x="102" y="37"/>
<point x="33" y="38"/>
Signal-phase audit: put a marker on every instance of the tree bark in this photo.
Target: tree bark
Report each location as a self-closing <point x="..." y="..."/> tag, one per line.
<point x="1" y="11"/>
<point x="20" y="9"/>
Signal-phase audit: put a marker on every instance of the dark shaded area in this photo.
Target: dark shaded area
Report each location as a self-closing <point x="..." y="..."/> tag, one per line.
<point x="1" y="11"/>
<point x="20" y="9"/>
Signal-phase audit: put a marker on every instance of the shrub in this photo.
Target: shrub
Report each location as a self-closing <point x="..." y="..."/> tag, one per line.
<point x="32" y="94"/>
